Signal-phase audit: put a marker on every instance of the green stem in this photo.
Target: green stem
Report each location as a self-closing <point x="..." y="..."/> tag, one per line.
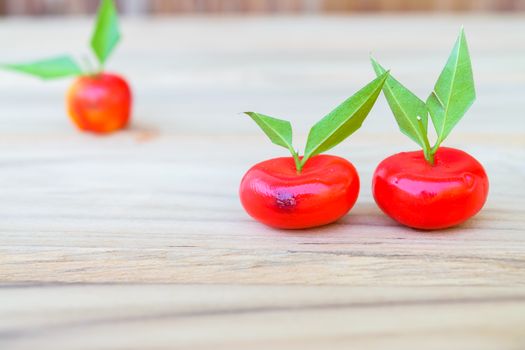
<point x="427" y="150"/>
<point x="100" y="68"/>
<point x="298" y="164"/>
<point x="303" y="161"/>
<point x="92" y="69"/>
<point x="435" y="148"/>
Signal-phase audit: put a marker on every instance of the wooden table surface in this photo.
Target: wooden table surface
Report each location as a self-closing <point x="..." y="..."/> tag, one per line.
<point x="138" y="241"/>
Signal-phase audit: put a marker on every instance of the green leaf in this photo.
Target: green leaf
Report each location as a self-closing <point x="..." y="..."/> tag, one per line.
<point x="344" y="120"/>
<point x="106" y="34"/>
<point x="51" y="68"/>
<point x="406" y="108"/>
<point x="454" y="91"/>
<point x="278" y="131"/>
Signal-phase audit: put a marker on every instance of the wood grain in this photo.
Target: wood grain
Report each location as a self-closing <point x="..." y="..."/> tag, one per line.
<point x="137" y="240"/>
<point x="262" y="317"/>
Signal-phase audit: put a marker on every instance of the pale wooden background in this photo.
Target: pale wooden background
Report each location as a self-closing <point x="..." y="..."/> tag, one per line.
<point x="138" y="240"/>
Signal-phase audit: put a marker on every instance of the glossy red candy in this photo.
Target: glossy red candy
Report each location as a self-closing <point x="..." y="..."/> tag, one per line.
<point x="100" y="103"/>
<point x="413" y="192"/>
<point x="274" y="193"/>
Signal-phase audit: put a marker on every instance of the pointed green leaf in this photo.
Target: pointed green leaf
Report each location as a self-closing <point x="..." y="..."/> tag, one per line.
<point x="106" y="34"/>
<point x="344" y="120"/>
<point x="278" y="131"/>
<point x="454" y="91"/>
<point x="51" y="68"/>
<point x="406" y="107"/>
